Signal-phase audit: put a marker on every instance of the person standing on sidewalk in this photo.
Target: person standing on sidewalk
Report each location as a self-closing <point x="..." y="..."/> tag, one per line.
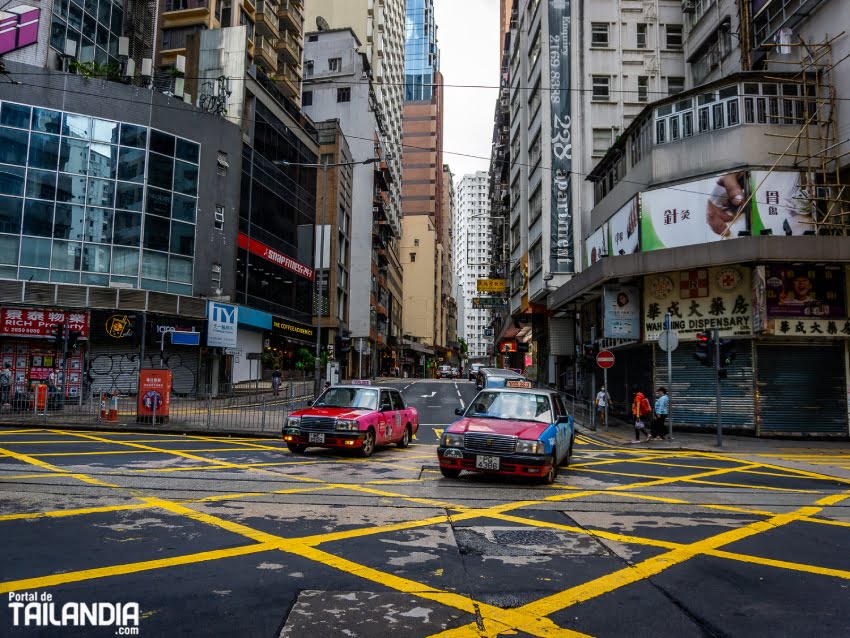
<point x="662" y="409"/>
<point x="5" y="384"/>
<point x="602" y="401"/>
<point x="276" y="377"/>
<point x="641" y="411"/>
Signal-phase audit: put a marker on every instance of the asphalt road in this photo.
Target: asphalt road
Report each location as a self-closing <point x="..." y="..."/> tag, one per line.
<point x="217" y="536"/>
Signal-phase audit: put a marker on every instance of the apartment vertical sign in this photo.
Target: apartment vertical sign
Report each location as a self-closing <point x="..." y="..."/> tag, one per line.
<point x="221" y="325"/>
<point x="562" y="257"/>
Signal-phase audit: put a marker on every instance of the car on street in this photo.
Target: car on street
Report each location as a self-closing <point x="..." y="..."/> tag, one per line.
<point x="510" y="431"/>
<point x="444" y="372"/>
<point x="455" y="373"/>
<point x="473" y="370"/>
<point x="497" y="378"/>
<point x="357" y="417"/>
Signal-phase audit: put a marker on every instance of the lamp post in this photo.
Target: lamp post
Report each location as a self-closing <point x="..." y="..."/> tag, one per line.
<point x="317" y="367"/>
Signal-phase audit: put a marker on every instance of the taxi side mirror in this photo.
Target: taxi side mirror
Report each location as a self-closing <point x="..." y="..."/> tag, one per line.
<point x="459" y="411"/>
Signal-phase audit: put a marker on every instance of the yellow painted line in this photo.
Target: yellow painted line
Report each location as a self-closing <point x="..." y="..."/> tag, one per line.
<point x="36" y="476"/>
<point x="191" y="468"/>
<point x="26" y="431"/>
<point x="74" y="512"/>
<point x="52" y="468"/>
<point x="781" y="564"/>
<point x="204" y="450"/>
<point x="130" y="568"/>
<point x="83" y="442"/>
<point x="753" y="487"/>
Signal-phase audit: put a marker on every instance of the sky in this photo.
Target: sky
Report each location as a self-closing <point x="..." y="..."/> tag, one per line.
<point x="468" y="37"/>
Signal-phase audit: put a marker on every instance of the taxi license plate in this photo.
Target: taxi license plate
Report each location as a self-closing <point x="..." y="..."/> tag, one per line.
<point x="487" y="462"/>
<point x="316" y="438"/>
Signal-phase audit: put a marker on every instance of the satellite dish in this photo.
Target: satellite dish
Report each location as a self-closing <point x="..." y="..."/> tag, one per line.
<point x="322" y="24"/>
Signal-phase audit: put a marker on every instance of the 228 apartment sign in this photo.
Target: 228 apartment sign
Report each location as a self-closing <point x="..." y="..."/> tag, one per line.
<point x="222" y="320"/>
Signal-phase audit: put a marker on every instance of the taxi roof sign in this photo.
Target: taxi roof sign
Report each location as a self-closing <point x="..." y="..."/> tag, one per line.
<point x="517" y="383"/>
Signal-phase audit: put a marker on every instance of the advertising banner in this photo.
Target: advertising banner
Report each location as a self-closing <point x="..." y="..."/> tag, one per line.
<point x="805" y="291"/>
<point x="759" y="299"/>
<point x="154" y="393"/>
<point x="596" y="246"/>
<point x="621" y="308"/>
<point x="293" y="329"/>
<point x="261" y="250"/>
<point x="489" y="302"/>
<point x="561" y="250"/>
<point x="32" y="322"/>
<point x="780" y="205"/>
<point x="698" y="212"/>
<point x="491" y="285"/>
<point x="698" y="300"/>
<point x="222" y="319"/>
<point x="623" y="229"/>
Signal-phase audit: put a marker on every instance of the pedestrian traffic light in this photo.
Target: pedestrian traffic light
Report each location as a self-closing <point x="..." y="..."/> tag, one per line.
<point x="59" y="335"/>
<point x="705" y="349"/>
<point x="344" y="343"/>
<point x="727" y="352"/>
<point x="73" y="338"/>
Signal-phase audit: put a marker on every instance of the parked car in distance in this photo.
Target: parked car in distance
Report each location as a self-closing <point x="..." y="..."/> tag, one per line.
<point x="473" y="370"/>
<point x="444" y="372"/>
<point x="512" y="431"/>
<point x="497" y="378"/>
<point x="455" y="373"/>
<point x="358" y="417"/>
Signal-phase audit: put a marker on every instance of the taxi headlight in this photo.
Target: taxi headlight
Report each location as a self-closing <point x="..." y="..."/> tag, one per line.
<point x="293" y="421"/>
<point x="452" y="440"/>
<point x="347" y="424"/>
<point x="529" y="447"/>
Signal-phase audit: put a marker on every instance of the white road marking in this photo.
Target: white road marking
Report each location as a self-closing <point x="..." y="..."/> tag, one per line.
<point x="462" y="405"/>
<point x="428" y="396"/>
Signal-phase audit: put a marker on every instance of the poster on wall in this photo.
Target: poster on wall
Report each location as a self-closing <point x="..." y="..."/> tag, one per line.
<point x="697" y="212"/>
<point x="621" y="309"/>
<point x="698" y="300"/>
<point x="805" y="291"/>
<point x="759" y="299"/>
<point x="561" y="257"/>
<point x="623" y="229"/>
<point x="154" y="396"/>
<point x="780" y="205"/>
<point x="596" y="246"/>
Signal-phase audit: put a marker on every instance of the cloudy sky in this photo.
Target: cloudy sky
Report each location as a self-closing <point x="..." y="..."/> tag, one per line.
<point x="468" y="37"/>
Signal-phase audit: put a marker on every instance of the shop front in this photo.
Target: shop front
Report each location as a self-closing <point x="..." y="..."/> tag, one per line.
<point x="291" y="345"/>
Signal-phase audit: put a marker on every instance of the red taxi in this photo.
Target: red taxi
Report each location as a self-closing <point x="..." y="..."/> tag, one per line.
<point x="513" y="430"/>
<point x="356" y="417"/>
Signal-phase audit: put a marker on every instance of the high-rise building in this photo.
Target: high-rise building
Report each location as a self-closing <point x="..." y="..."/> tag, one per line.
<point x="472" y="258"/>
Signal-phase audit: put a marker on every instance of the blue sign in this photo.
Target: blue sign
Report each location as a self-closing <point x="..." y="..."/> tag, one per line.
<point x="185" y="338"/>
<point x="222" y="320"/>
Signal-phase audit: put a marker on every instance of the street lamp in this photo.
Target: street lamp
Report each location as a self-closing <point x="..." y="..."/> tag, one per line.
<point x="317" y="371"/>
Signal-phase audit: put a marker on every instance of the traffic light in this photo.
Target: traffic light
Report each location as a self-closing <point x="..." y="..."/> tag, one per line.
<point x="59" y="335"/>
<point x="727" y="352"/>
<point x="589" y="352"/>
<point x="73" y="338"/>
<point x="705" y="349"/>
<point x="344" y="343"/>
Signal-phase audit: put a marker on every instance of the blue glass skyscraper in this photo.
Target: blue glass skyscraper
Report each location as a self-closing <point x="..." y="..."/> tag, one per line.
<point x="421" y="55"/>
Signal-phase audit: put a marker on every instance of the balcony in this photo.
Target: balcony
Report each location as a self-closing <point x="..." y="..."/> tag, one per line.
<point x="289" y="48"/>
<point x="291" y="16"/>
<point x="264" y="53"/>
<point x="288" y="81"/>
<point x="266" y="21"/>
<point x="181" y="13"/>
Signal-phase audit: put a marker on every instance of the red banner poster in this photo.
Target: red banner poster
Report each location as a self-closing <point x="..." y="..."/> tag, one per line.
<point x="31" y="322"/>
<point x="154" y="394"/>
<point x="270" y="254"/>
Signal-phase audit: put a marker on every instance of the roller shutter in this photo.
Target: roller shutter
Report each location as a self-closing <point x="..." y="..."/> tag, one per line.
<point x="116" y="367"/>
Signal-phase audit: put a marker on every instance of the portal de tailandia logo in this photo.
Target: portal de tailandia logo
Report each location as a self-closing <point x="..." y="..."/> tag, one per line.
<point x="38" y="609"/>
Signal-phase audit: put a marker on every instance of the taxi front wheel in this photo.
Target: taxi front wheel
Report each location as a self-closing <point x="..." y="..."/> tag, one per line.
<point x="552" y="474"/>
<point x="405" y="439"/>
<point x="368" y="444"/>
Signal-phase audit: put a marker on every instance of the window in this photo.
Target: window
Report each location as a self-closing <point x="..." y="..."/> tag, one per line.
<point x="307" y="98"/>
<point x="601" y="88"/>
<point x="641" y="35"/>
<point x="415" y="242"/>
<point x="675" y="85"/>
<point x="599" y="34"/>
<point x="219" y="217"/>
<point x="643" y="88"/>
<point x="601" y="140"/>
<point x="412" y="257"/>
<point x="308" y="68"/>
<point x="534" y="50"/>
<point x="674" y="36"/>
<point x="343" y="94"/>
<point x="535" y="257"/>
<point x="334" y="64"/>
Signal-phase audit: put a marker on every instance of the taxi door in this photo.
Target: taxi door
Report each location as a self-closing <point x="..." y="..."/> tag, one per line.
<point x="387" y="418"/>
<point x="399" y="415"/>
<point x="563" y="433"/>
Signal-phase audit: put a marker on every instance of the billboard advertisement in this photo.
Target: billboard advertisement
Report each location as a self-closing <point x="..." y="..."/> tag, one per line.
<point x="698" y="300"/>
<point x="699" y="212"/>
<point x="154" y="397"/>
<point x="780" y="205"/>
<point x="621" y="308"/>
<point x="38" y="322"/>
<point x="805" y="291"/>
<point x="562" y="254"/>
<point x="221" y="325"/>
<point x="623" y="229"/>
<point x="596" y="246"/>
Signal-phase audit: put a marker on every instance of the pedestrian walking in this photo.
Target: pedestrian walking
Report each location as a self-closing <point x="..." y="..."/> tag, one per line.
<point x="662" y="409"/>
<point x="641" y="411"/>
<point x="5" y="384"/>
<point x="276" y="377"/>
<point x="602" y="403"/>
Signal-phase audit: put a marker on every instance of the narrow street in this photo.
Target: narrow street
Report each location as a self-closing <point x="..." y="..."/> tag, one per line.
<point x="238" y="537"/>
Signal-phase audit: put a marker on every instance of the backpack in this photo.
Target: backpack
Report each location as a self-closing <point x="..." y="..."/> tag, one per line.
<point x="644" y="406"/>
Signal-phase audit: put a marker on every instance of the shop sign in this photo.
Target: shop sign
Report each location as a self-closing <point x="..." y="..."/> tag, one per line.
<point x="697" y="212"/>
<point x="222" y="321"/>
<point x="30" y="322"/>
<point x="621" y="306"/>
<point x="270" y="254"/>
<point x="623" y="229"/>
<point x="800" y="327"/>
<point x="508" y="346"/>
<point x="780" y="205"/>
<point x="698" y="300"/>
<point x="491" y="285"/>
<point x="154" y="392"/>
<point x="118" y="326"/>
<point x="489" y="302"/>
<point x="815" y="292"/>
<point x="596" y="246"/>
<point x="294" y="329"/>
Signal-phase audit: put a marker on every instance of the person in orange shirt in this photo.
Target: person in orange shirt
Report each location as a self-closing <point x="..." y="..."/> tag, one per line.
<point x="641" y="411"/>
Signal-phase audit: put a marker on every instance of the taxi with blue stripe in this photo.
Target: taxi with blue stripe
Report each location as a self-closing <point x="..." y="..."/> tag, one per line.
<point x="516" y="431"/>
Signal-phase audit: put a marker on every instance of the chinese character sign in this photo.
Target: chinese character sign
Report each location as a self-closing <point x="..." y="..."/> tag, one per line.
<point x="805" y="291"/>
<point x="780" y="204"/>
<point x="31" y="322"/>
<point x="621" y="306"/>
<point x="596" y="246"/>
<point x="222" y="320"/>
<point x="698" y="212"/>
<point x="623" y="229"/>
<point x="726" y="304"/>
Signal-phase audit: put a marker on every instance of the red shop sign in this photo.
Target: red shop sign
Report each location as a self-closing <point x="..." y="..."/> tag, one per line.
<point x="154" y="393"/>
<point x="270" y="254"/>
<point x="32" y="322"/>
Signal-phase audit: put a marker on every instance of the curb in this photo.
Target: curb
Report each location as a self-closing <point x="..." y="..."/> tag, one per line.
<point x="620" y="443"/>
<point x="137" y="428"/>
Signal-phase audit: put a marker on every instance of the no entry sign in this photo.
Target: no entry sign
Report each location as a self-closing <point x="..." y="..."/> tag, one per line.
<point x="605" y="359"/>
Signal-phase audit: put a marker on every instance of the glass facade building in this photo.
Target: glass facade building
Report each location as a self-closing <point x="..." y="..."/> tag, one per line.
<point x="95" y="25"/>
<point x="421" y="55"/>
<point x="95" y="202"/>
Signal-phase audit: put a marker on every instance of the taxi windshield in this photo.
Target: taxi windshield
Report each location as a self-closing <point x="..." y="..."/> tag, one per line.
<point x="348" y="398"/>
<point x="513" y="406"/>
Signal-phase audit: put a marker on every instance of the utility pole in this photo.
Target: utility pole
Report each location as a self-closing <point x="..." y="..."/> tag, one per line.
<point x="716" y="334"/>
<point x="320" y="262"/>
<point x="668" y="320"/>
<point x="64" y="384"/>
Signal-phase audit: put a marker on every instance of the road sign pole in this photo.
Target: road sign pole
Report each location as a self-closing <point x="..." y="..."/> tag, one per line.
<point x="607" y="397"/>
<point x="668" y="321"/>
<point x="593" y="374"/>
<point x="717" y="382"/>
